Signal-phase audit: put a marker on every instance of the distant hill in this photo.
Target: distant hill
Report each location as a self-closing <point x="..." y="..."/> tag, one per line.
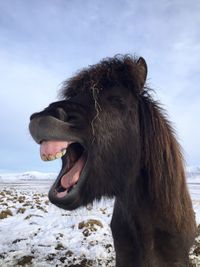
<point x="26" y="176"/>
<point x="192" y="173"/>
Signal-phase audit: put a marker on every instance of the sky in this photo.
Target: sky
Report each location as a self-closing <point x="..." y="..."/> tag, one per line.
<point x="44" y="42"/>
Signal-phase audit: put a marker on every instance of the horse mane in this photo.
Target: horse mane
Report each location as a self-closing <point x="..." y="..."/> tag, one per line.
<point x="121" y="70"/>
<point x="162" y="162"/>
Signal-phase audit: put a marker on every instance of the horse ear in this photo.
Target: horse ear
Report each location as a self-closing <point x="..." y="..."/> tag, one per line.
<point x="142" y="66"/>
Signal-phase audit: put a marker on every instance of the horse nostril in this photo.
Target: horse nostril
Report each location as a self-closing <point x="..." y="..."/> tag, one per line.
<point x="61" y="114"/>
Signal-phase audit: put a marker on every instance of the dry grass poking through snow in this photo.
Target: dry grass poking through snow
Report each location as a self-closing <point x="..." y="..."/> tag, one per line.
<point x="35" y="233"/>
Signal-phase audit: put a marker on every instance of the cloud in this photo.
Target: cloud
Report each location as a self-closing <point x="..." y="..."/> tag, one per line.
<point x="24" y="89"/>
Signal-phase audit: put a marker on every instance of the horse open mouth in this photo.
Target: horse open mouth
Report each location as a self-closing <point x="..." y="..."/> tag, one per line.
<point x="73" y="157"/>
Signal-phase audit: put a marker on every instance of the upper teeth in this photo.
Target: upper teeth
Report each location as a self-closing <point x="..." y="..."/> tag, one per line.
<point x="53" y="157"/>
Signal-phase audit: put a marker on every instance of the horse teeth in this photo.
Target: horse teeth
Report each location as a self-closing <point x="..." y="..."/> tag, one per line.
<point x="64" y="152"/>
<point x="43" y="157"/>
<point x="59" y="155"/>
<point x="51" y="157"/>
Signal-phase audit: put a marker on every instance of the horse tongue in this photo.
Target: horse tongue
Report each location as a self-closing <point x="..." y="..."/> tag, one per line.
<point x="72" y="176"/>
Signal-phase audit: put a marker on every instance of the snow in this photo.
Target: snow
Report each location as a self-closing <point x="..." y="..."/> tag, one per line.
<point x="36" y="233"/>
<point x="26" y="176"/>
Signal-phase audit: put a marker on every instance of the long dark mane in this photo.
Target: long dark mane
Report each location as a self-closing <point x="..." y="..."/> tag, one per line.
<point x="162" y="162"/>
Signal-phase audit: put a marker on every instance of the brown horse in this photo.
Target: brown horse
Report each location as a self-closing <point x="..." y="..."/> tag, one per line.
<point x="115" y="141"/>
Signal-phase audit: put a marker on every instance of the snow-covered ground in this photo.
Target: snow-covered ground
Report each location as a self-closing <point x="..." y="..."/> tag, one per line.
<point x="35" y="233"/>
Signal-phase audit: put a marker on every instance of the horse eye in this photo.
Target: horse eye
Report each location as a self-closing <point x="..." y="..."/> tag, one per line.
<point x="116" y="100"/>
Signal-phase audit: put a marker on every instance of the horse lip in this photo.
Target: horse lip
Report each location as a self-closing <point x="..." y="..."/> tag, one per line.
<point x="50" y="128"/>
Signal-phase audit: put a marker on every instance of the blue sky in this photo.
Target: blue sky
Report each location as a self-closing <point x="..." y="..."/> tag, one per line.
<point x="43" y="42"/>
